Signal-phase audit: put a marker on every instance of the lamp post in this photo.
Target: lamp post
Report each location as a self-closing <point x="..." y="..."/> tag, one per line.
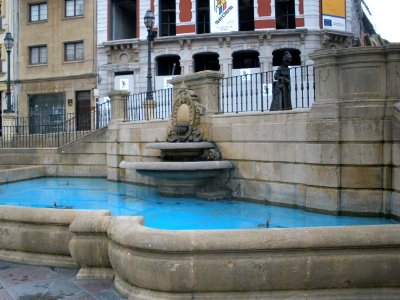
<point x="8" y="43"/>
<point x="149" y="23"/>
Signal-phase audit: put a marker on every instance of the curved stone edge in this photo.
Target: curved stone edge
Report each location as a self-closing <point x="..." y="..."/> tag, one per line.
<point x="178" y="166"/>
<point x="40" y="235"/>
<point x="37" y="259"/>
<point x="130" y="232"/>
<point x="262" y="260"/>
<point x="138" y="293"/>
<point x="44" y="215"/>
<point x="89" y="247"/>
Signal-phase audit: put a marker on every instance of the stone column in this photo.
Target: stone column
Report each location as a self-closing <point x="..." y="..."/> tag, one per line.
<point x="118" y="105"/>
<point x="9" y="120"/>
<point x="349" y="131"/>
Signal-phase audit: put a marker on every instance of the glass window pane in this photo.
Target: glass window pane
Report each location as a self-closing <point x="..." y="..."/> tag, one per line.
<point x="79" y="7"/>
<point x="69" y="8"/>
<point x="43" y="11"/>
<point x="34" y="56"/>
<point x="69" y="51"/>
<point x="43" y="55"/>
<point x="79" y="51"/>
<point x="34" y="13"/>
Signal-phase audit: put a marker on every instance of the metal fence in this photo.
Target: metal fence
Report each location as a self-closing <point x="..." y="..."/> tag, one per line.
<point x="253" y="92"/>
<point x="139" y="108"/>
<point x="53" y="132"/>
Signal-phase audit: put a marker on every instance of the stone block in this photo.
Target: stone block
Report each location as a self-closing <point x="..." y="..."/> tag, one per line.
<point x="395" y="204"/>
<point x="321" y="175"/>
<point x="130" y="149"/>
<point x="361" y="177"/>
<point x="113" y="160"/>
<point x="221" y="133"/>
<point x="287" y="194"/>
<point x="233" y="151"/>
<point x="396" y="154"/>
<point x="112" y="136"/>
<point x="362" y="201"/>
<point x="396" y="178"/>
<point x="245" y="170"/>
<point x="361" y="130"/>
<point x="323" y="131"/>
<point x="325" y="199"/>
<point x="363" y="154"/>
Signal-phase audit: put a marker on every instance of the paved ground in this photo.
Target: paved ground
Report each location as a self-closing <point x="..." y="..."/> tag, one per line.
<point x="22" y="282"/>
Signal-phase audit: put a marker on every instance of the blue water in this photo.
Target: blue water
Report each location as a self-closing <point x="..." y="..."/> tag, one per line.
<point x="164" y="212"/>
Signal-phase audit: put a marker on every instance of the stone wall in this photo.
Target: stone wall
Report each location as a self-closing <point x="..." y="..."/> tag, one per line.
<point x="84" y="157"/>
<point x="338" y="156"/>
<point x="395" y="204"/>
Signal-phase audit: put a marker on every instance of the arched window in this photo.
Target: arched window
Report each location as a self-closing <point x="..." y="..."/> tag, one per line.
<point x="246" y="15"/>
<point x="277" y="56"/>
<point x="168" y="65"/>
<point x="245" y="59"/>
<point x="285" y="14"/>
<point x="206" y="61"/>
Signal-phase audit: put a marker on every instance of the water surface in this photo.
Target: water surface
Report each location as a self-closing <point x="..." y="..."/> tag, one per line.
<point x="124" y="199"/>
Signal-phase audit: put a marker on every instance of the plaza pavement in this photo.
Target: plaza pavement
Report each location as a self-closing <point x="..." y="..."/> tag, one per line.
<point x="24" y="282"/>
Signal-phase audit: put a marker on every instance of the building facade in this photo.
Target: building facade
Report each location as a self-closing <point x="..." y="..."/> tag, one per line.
<point x="56" y="60"/>
<point x="6" y="25"/>
<point x="223" y="35"/>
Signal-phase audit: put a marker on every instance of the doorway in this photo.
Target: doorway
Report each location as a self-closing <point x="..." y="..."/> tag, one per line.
<point x="83" y="120"/>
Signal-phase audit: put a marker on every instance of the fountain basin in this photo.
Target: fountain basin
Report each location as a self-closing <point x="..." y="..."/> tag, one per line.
<point x="181" y="151"/>
<point x="183" y="178"/>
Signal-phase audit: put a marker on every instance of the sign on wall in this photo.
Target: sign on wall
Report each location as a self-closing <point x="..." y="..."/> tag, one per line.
<point x="224" y="15"/>
<point x="334" y="14"/>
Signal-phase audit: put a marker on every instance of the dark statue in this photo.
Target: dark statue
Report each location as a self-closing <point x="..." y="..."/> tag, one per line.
<point x="281" y="99"/>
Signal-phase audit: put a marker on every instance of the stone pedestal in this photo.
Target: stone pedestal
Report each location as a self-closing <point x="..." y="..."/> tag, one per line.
<point x="9" y="121"/>
<point x="118" y="105"/>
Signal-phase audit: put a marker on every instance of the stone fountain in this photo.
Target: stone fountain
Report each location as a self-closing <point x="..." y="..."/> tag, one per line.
<point x="190" y="165"/>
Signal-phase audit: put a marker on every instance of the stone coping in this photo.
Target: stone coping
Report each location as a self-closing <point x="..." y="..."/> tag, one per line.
<point x="178" y="165"/>
<point x="45" y="215"/>
<point x="130" y="232"/>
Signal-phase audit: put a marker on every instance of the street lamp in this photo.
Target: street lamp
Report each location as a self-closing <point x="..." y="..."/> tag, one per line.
<point x="149" y="23"/>
<point x="8" y="43"/>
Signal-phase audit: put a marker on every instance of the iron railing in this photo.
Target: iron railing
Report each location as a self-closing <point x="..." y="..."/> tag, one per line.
<point x="53" y="132"/>
<point x="139" y="108"/>
<point x="253" y="92"/>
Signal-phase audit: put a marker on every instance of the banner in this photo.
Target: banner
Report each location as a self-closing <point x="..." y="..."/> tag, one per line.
<point x="224" y="15"/>
<point x="334" y="14"/>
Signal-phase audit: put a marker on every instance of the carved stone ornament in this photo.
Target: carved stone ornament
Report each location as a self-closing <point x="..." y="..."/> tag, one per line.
<point x="186" y="115"/>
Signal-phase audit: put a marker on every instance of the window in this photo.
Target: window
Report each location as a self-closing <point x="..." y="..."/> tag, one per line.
<point x="123" y="19"/>
<point x="38" y="12"/>
<point x="38" y="55"/>
<point x="73" y="51"/>
<point x="73" y="8"/>
<point x="203" y="16"/>
<point x="167" y="18"/>
<point x="245" y="59"/>
<point x="206" y="61"/>
<point x="285" y="14"/>
<point x="168" y="65"/>
<point x="246" y="15"/>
